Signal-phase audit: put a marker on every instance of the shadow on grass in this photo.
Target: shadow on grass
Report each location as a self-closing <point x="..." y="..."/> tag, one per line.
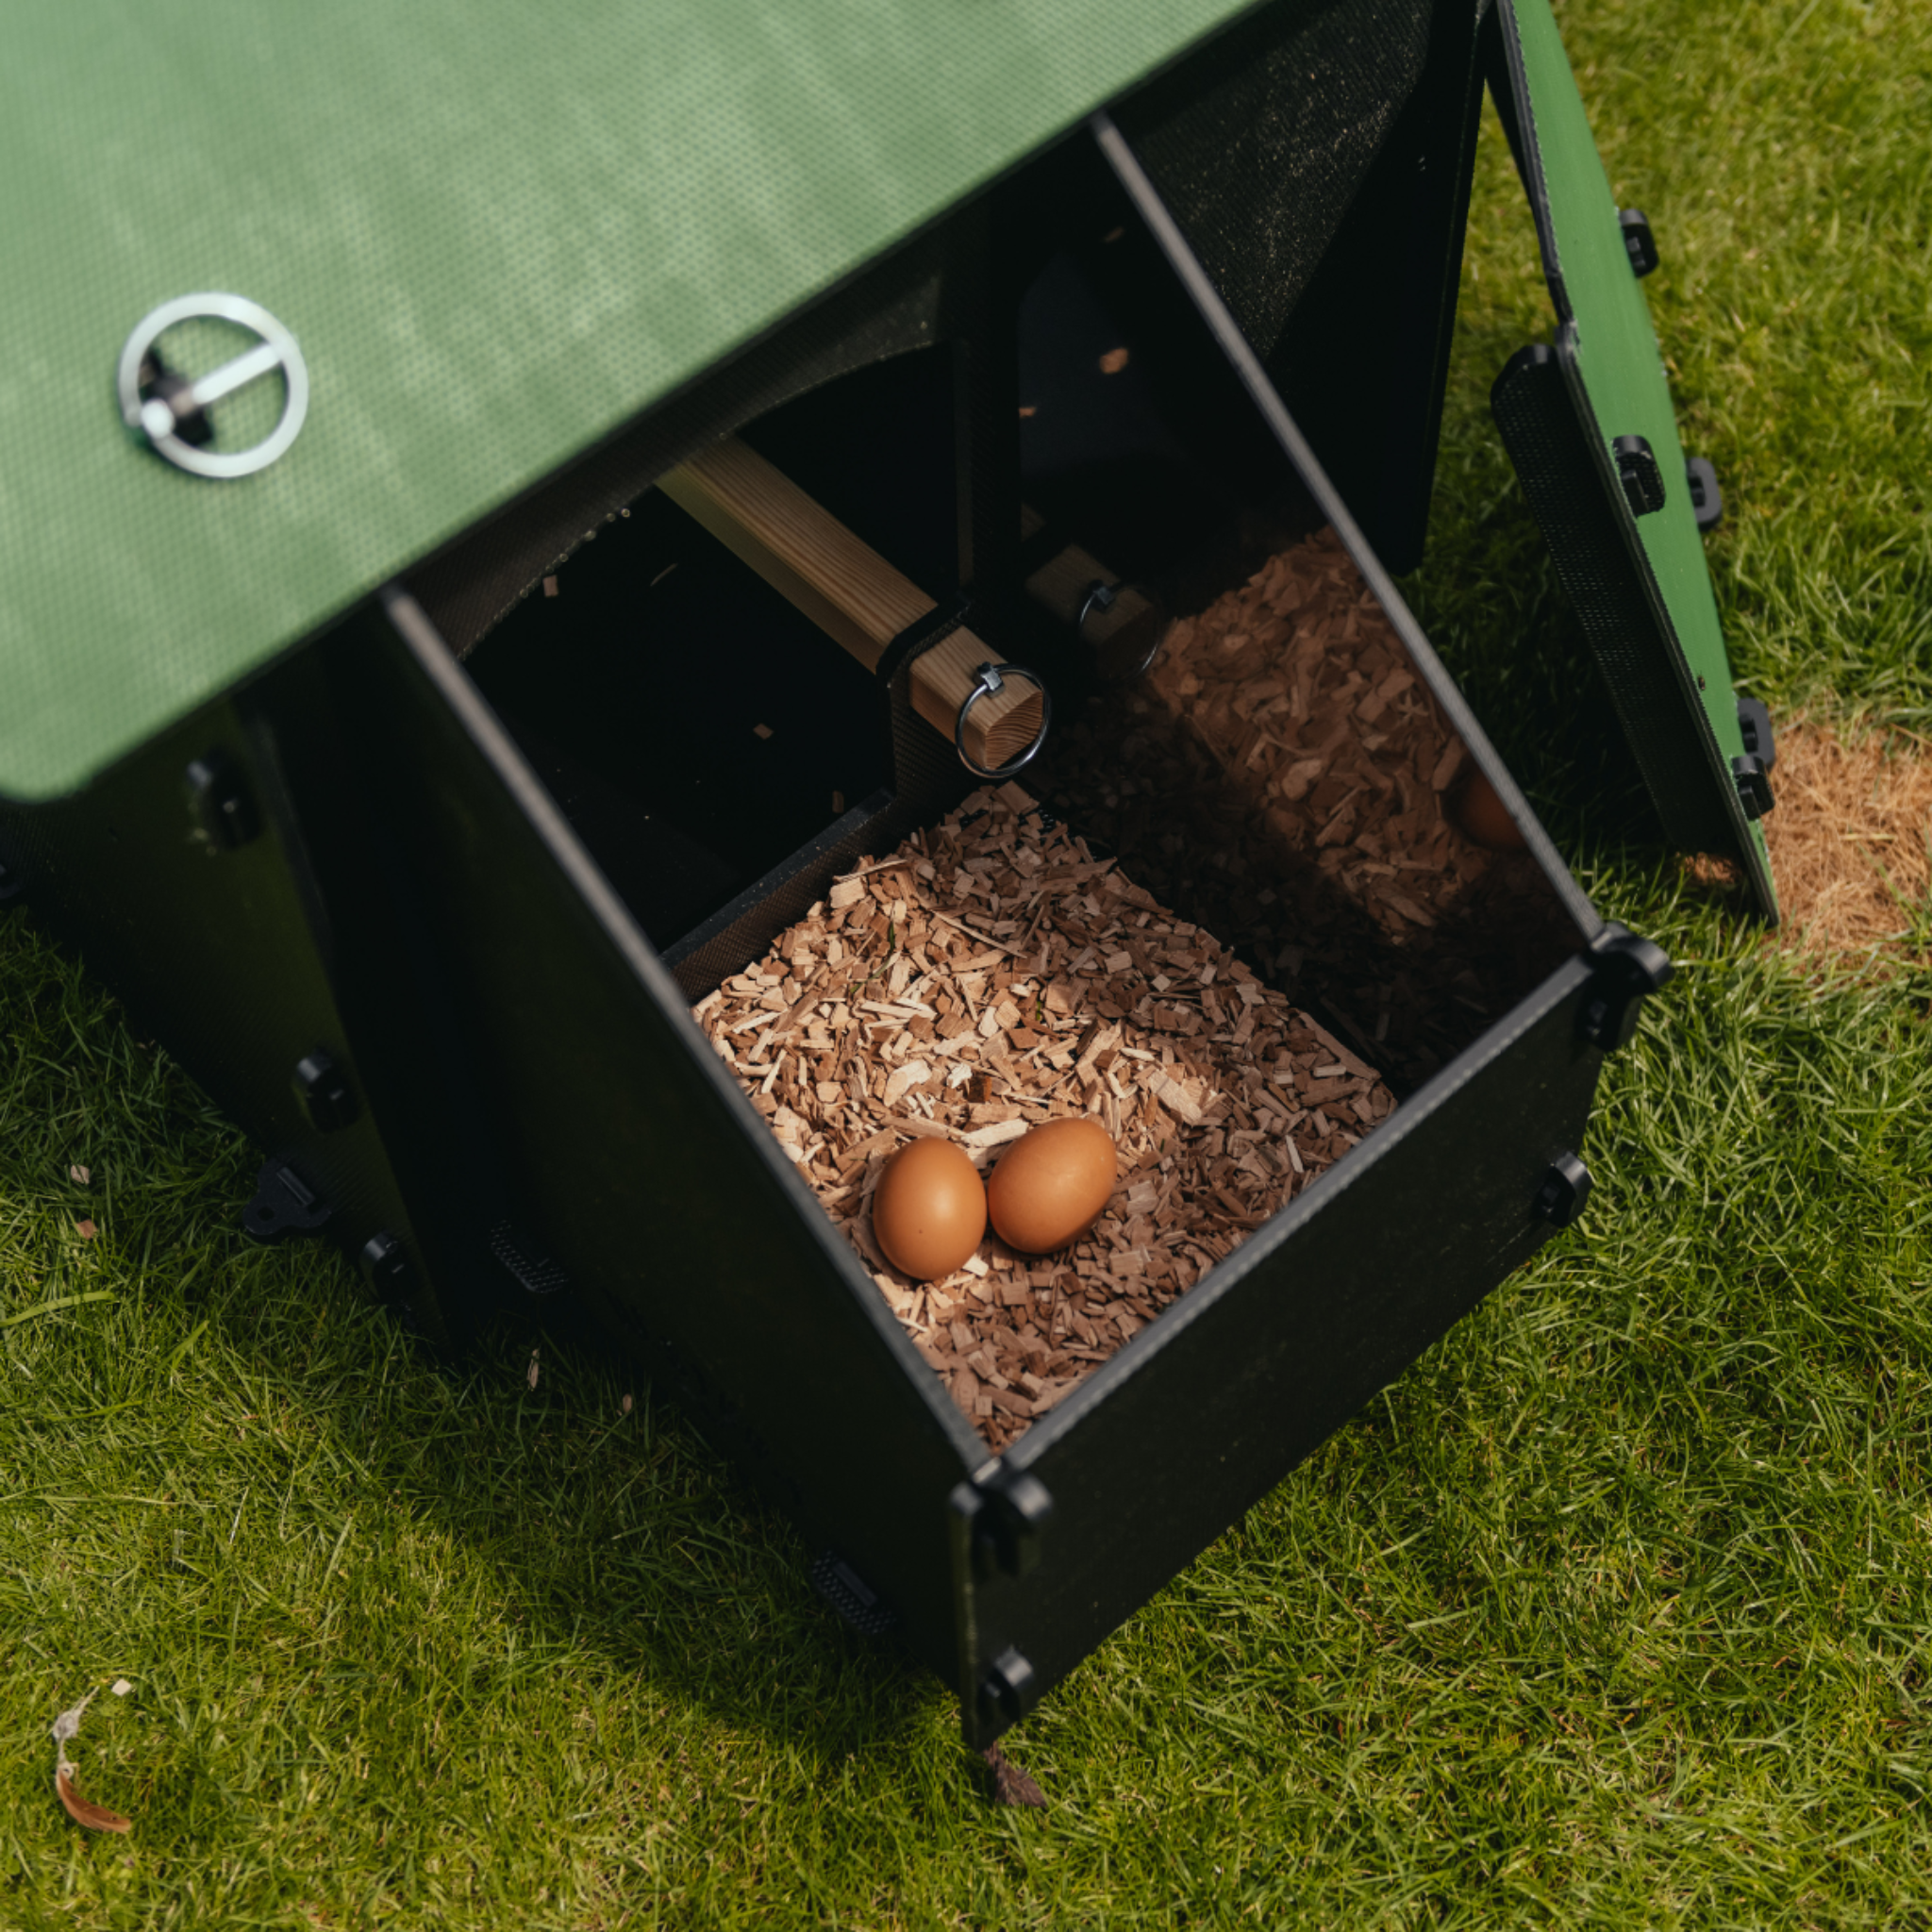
<point x="439" y="1526"/>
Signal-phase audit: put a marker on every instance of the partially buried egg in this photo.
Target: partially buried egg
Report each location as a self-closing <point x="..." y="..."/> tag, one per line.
<point x="1051" y="1184"/>
<point x="1481" y="815"/>
<point x="928" y="1211"/>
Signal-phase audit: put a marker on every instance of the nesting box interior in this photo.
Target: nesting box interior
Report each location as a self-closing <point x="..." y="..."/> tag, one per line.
<point x="1253" y="890"/>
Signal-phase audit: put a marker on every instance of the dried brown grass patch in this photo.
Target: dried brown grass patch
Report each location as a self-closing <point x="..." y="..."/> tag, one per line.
<point x="1851" y="843"/>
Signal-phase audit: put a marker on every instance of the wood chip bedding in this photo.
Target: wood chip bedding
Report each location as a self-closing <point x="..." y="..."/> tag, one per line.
<point x="992" y="974"/>
<point x="1284" y="777"/>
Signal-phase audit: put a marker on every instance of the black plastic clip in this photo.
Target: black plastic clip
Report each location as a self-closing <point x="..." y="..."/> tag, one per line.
<point x="386" y="1267"/>
<point x="1706" y="499"/>
<point x="1637" y="470"/>
<point x="1016" y="1507"/>
<point x="1564" y="1191"/>
<point x="1640" y="244"/>
<point x="1754" y="721"/>
<point x="1627" y="967"/>
<point x="324" y="1093"/>
<point x="284" y="1204"/>
<point x="1753" y="785"/>
<point x="1010" y="1687"/>
<point x="225" y="815"/>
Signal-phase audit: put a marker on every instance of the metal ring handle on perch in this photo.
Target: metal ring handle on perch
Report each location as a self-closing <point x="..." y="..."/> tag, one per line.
<point x="987" y="681"/>
<point x="1101" y="597"/>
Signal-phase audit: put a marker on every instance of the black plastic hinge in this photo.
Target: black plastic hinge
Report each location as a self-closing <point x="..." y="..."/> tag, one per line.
<point x="1565" y="1189"/>
<point x="1015" y="1508"/>
<point x="284" y="1204"/>
<point x="1753" y="785"/>
<point x="225" y="814"/>
<point x="1010" y="1687"/>
<point x="1754" y="722"/>
<point x="323" y="1089"/>
<point x="1706" y="499"/>
<point x="1627" y="967"/>
<point x="1640" y="244"/>
<point x="1637" y="470"/>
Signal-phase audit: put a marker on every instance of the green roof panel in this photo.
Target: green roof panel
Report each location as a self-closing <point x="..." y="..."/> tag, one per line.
<point x="497" y="231"/>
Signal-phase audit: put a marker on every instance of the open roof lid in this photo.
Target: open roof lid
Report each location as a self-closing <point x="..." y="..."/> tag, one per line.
<point x="1590" y="426"/>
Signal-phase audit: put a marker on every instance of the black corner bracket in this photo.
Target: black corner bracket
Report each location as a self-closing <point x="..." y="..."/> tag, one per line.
<point x="284" y="1204"/>
<point x="1627" y="967"/>
<point x="1014" y="1508"/>
<point x="1010" y="1687"/>
<point x="1565" y="1189"/>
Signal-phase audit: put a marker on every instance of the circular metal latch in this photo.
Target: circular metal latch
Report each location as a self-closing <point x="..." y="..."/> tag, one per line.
<point x="1125" y="624"/>
<point x="171" y="410"/>
<point x="987" y="681"/>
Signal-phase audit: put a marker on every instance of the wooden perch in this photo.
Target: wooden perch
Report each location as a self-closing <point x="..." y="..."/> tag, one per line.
<point x="850" y="591"/>
<point x="1122" y="636"/>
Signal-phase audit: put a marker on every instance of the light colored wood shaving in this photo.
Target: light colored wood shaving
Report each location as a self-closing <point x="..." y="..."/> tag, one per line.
<point x="992" y="974"/>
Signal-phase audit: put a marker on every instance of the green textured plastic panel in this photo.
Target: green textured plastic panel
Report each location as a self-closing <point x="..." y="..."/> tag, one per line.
<point x="1618" y="379"/>
<point x="497" y="231"/>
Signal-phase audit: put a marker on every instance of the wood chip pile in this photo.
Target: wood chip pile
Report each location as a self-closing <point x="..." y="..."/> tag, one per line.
<point x="1283" y="776"/>
<point x="993" y="973"/>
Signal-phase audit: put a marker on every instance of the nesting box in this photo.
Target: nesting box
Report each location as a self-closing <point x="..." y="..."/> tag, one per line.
<point x="683" y="629"/>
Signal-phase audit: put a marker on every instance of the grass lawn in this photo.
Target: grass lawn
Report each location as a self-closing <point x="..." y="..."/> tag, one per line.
<point x="1611" y="1609"/>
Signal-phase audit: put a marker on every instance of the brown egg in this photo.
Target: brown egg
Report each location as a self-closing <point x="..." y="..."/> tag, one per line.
<point x="1050" y="1184"/>
<point x="929" y="1212"/>
<point x="1481" y="816"/>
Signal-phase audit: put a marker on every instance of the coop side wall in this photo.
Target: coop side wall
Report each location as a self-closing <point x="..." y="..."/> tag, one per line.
<point x="1202" y="1413"/>
<point x="220" y="955"/>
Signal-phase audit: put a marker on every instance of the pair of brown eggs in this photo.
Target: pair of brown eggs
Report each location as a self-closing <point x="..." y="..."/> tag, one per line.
<point x="930" y="1208"/>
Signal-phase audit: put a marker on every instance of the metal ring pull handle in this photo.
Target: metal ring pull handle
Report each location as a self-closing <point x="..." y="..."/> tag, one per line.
<point x="1099" y="598"/>
<point x="162" y="422"/>
<point x="989" y="680"/>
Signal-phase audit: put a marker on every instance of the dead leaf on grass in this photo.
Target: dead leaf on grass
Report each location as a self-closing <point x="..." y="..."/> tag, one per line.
<point x="84" y="1230"/>
<point x="531" y="1377"/>
<point x="84" y="1811"/>
<point x="1011" y="1785"/>
<point x="82" y="1175"/>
